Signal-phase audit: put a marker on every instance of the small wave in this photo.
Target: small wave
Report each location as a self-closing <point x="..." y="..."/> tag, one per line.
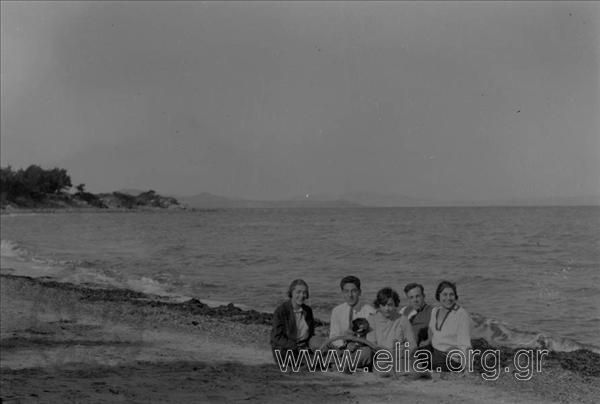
<point x="380" y="253"/>
<point x="478" y="279"/>
<point x="99" y="277"/>
<point x="15" y="251"/>
<point x="83" y="263"/>
<point x="174" y="249"/>
<point x="147" y="285"/>
<point x="11" y="249"/>
<point x="17" y="214"/>
<point x="19" y="260"/>
<point x="498" y="333"/>
<point x="217" y="303"/>
<point x="254" y="259"/>
<point x="207" y="285"/>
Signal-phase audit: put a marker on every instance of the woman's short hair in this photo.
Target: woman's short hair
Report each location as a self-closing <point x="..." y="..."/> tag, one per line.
<point x="443" y="285"/>
<point x="384" y="295"/>
<point x="295" y="283"/>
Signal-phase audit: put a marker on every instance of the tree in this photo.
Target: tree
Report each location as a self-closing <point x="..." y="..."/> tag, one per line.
<point x="7" y="184"/>
<point x="33" y="183"/>
<point x="57" y="180"/>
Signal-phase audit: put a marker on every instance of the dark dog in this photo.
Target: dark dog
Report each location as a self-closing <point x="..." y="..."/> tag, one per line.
<point x="360" y="329"/>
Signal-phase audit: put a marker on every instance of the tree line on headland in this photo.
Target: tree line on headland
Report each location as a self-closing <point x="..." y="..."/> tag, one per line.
<point x="35" y="187"/>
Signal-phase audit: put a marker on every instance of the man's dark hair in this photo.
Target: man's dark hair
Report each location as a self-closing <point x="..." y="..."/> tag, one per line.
<point x="350" y="279"/>
<point x="413" y="285"/>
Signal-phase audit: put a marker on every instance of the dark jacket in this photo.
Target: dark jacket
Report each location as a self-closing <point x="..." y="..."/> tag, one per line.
<point x="284" y="332"/>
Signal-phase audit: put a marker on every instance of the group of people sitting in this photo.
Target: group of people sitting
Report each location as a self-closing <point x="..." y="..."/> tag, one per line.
<point x="416" y="327"/>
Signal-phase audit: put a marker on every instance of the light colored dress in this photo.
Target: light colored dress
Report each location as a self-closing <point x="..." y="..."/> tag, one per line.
<point x="387" y="331"/>
<point x="395" y="335"/>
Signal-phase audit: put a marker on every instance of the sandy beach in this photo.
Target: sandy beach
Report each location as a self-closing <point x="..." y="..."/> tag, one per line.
<point x="68" y="343"/>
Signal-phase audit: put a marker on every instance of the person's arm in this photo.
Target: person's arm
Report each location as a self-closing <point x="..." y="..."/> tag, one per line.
<point x="335" y="329"/>
<point x="372" y="334"/>
<point x="334" y="326"/>
<point x="409" y="335"/>
<point x="464" y="331"/>
<point x="372" y="337"/>
<point x="430" y="331"/>
<point x="280" y="338"/>
<point x="310" y="321"/>
<point x="369" y="310"/>
<point x="428" y="340"/>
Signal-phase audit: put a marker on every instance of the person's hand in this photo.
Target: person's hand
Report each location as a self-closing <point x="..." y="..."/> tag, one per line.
<point x="303" y="345"/>
<point x="349" y="333"/>
<point x="352" y="346"/>
<point x="408" y="310"/>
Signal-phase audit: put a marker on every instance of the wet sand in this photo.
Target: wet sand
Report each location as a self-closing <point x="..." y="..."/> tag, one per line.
<point x="68" y="343"/>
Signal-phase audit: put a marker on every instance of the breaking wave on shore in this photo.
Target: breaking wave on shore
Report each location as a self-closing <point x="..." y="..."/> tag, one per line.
<point x="18" y="260"/>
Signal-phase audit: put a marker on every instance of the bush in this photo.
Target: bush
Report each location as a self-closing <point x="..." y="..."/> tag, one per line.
<point x="34" y="184"/>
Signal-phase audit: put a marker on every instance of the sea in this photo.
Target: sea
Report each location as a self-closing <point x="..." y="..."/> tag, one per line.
<point x="527" y="275"/>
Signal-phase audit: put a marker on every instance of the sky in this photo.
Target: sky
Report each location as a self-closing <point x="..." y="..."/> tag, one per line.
<point x="270" y="100"/>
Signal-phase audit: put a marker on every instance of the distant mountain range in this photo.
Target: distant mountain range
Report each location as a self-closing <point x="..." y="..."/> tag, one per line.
<point x="206" y="200"/>
<point x="587" y="200"/>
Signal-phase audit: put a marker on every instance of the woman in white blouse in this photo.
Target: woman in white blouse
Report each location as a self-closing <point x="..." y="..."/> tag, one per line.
<point x="450" y="329"/>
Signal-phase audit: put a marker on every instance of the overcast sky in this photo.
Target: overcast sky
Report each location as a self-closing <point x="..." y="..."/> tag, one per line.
<point x="444" y="101"/>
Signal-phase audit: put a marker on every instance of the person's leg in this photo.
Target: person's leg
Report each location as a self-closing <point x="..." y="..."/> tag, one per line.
<point x="361" y="356"/>
<point x="423" y="358"/>
<point x="422" y="362"/>
<point x="285" y="358"/>
<point x="365" y="360"/>
<point x="438" y="361"/>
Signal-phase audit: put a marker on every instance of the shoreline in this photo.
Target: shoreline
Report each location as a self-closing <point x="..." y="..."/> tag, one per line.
<point x="16" y="210"/>
<point x="573" y="360"/>
<point x="104" y="344"/>
<point x="20" y="211"/>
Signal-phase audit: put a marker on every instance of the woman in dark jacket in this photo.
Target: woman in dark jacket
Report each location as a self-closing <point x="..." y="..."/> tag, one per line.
<point x="293" y="322"/>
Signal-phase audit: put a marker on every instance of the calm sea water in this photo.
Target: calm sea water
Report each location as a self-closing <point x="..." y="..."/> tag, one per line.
<point x="532" y="269"/>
